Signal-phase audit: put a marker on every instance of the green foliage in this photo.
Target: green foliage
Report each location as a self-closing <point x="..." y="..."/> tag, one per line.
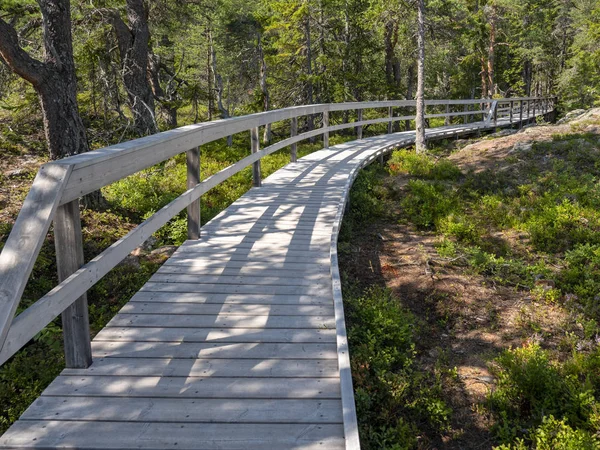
<point x="394" y="400"/>
<point x="532" y="390"/>
<point x="422" y="165"/>
<point x="428" y="202"/>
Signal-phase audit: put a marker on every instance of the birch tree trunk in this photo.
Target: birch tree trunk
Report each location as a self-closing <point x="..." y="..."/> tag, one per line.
<point x="420" y="118"/>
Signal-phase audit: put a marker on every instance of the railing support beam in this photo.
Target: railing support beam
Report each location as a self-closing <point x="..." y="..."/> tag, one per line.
<point x="255" y="143"/>
<point x="390" y="126"/>
<point x="359" y="118"/>
<point x="192" y="158"/>
<point x="325" y="126"/>
<point x="69" y="257"/>
<point x="294" y="146"/>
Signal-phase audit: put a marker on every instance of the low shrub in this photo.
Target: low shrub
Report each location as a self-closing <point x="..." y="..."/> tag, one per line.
<point x="531" y="388"/>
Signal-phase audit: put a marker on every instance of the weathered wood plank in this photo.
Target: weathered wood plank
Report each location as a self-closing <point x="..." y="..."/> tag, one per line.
<point x="241" y="299"/>
<point x="241" y="289"/>
<point x="68" y="243"/>
<point x="224" y="321"/>
<point x="24" y="243"/>
<point x="194" y="387"/>
<point x="212" y="334"/>
<point x="193" y="178"/>
<point x="153" y="436"/>
<point x="237" y="280"/>
<point x="242" y="368"/>
<point x="312" y="274"/>
<point x="226" y="309"/>
<point x="185" y="410"/>
<point x="210" y="350"/>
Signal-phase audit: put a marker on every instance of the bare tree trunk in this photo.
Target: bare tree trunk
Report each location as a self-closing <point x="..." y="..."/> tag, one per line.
<point x="491" y="52"/>
<point x="264" y="87"/>
<point x="410" y="76"/>
<point x="53" y="79"/>
<point x="484" y="78"/>
<point x="420" y="119"/>
<point x="310" y="121"/>
<point x="133" y="43"/>
<point x="170" y="111"/>
<point x="218" y="84"/>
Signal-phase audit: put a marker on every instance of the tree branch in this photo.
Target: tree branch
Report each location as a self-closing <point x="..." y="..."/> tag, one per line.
<point x="18" y="59"/>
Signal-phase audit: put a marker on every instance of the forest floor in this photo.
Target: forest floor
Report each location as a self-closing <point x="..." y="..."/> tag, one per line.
<point x="480" y="278"/>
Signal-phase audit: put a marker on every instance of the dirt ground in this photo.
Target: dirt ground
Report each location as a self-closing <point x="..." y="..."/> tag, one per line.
<point x="466" y="319"/>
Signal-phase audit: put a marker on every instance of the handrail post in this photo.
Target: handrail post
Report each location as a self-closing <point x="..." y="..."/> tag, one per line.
<point x="68" y="243"/>
<point x="325" y="127"/>
<point x="192" y="158"/>
<point x="466" y="118"/>
<point x="294" y="146"/>
<point x="520" y="114"/>
<point x="255" y="144"/>
<point x="528" y="111"/>
<point x="512" y="105"/>
<point x="534" y="105"/>
<point x="359" y="118"/>
<point x="448" y="118"/>
<point x="495" y="109"/>
<point x="391" y="122"/>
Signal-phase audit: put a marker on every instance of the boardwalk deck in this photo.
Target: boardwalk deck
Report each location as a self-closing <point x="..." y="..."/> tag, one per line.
<point x="238" y="341"/>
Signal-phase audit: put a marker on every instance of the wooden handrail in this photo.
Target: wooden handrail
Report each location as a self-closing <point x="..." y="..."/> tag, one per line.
<point x="62" y="182"/>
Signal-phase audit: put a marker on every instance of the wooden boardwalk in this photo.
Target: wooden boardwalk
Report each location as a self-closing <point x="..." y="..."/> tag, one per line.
<point x="238" y="341"/>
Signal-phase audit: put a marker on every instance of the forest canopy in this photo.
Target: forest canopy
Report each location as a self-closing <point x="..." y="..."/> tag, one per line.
<point x="194" y="60"/>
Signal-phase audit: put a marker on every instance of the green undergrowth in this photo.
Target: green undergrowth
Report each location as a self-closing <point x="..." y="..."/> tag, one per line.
<point x="396" y="402"/>
<point x="534" y="218"/>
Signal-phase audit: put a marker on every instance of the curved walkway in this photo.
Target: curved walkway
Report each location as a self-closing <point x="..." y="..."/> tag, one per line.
<point x="238" y="341"/>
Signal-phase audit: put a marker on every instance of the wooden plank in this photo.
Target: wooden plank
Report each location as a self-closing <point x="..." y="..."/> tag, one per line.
<point x="325" y="128"/>
<point x="241" y="299"/>
<point x="194" y="387"/>
<point x="255" y="148"/>
<point x="68" y="243"/>
<point x="293" y="133"/>
<point x="241" y="368"/>
<point x="154" y="436"/>
<point x="237" y="280"/>
<point x="238" y="335"/>
<point x="312" y="274"/>
<point x="24" y="243"/>
<point x="185" y="410"/>
<point x="262" y="251"/>
<point x="225" y="309"/>
<point x="275" y="258"/>
<point x="193" y="178"/>
<point x="212" y="350"/>
<point x="225" y="321"/>
<point x="228" y="289"/>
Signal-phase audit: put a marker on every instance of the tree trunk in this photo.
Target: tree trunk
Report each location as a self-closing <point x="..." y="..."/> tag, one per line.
<point x="310" y="120"/>
<point x="420" y="119"/>
<point x="218" y="84"/>
<point x="54" y="79"/>
<point x="133" y="43"/>
<point x="491" y="52"/>
<point x="484" y="78"/>
<point x="264" y="88"/>
<point x="169" y="111"/>
<point x="410" y="76"/>
<point x="527" y="72"/>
